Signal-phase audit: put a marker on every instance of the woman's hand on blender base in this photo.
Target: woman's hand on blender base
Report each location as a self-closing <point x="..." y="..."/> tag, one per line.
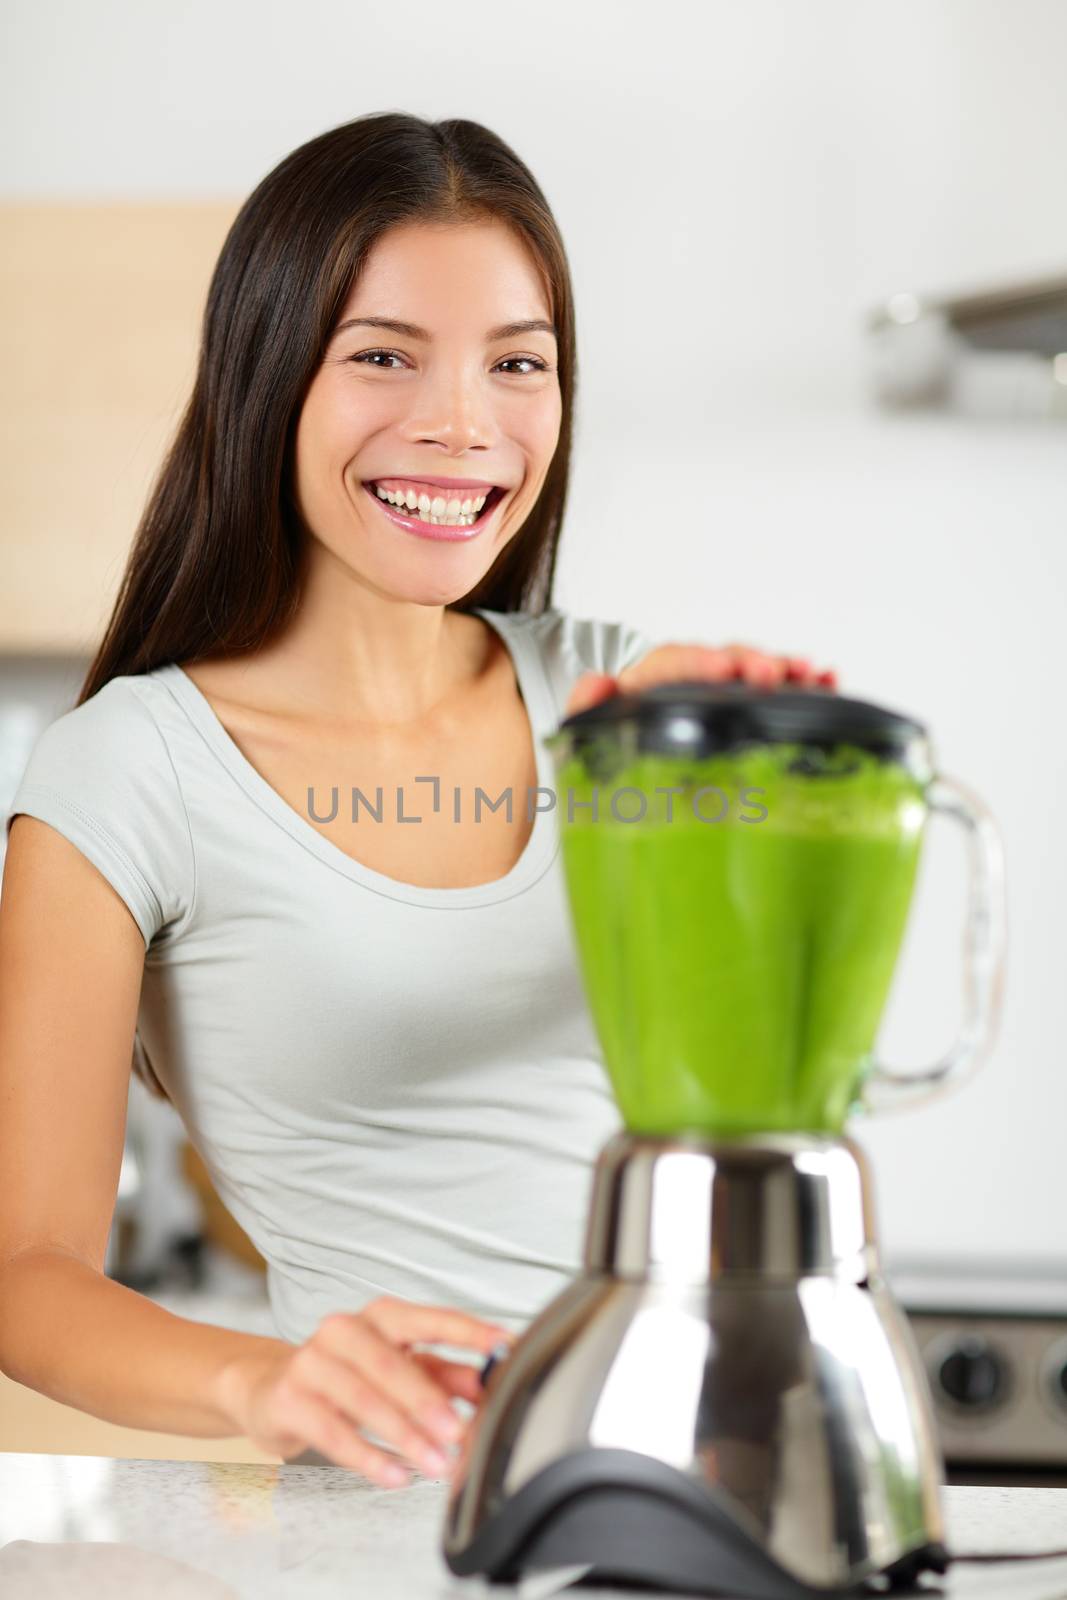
<point x="670" y="663"/>
<point x="357" y="1369"/>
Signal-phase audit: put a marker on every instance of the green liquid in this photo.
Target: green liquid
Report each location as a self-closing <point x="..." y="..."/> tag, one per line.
<point x="737" y="970"/>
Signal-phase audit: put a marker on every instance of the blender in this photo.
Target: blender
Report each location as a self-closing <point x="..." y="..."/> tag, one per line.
<point x="727" y="1400"/>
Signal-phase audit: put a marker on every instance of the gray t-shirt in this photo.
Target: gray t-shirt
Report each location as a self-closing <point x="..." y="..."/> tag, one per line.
<point x="396" y="1090"/>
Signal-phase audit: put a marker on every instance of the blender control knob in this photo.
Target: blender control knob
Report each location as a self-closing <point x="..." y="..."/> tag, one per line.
<point x="972" y="1375"/>
<point x="499" y="1352"/>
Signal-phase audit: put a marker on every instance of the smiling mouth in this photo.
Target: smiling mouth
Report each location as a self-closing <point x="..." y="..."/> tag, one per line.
<point x="432" y="510"/>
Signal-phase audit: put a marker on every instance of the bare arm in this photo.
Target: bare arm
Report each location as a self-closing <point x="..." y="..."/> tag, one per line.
<point x="71" y="962"/>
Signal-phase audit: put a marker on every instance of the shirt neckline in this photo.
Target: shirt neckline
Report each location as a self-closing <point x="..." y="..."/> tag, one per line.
<point x="541" y="847"/>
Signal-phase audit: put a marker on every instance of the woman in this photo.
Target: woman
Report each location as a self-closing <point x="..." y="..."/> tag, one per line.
<point x="374" y="1032"/>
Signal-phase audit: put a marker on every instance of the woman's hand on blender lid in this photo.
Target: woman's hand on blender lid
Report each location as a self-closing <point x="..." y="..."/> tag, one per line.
<point x="671" y="663"/>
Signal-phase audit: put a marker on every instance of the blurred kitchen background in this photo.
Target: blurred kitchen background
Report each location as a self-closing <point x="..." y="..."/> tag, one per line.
<point x="820" y="257"/>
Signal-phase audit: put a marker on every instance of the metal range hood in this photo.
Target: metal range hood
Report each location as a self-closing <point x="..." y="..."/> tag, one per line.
<point x="997" y="352"/>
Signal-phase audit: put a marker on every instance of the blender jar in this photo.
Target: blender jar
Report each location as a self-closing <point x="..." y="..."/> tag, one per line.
<point x="740" y="865"/>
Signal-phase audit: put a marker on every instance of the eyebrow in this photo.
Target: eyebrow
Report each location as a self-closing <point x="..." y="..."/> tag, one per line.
<point x="408" y="330"/>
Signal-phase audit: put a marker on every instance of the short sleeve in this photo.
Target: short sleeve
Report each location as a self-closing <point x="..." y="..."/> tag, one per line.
<point x="102" y="776"/>
<point x="621" y="645"/>
<point x="573" y="645"/>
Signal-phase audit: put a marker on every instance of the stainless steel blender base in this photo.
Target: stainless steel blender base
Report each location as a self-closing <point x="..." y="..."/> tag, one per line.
<point x="727" y="1399"/>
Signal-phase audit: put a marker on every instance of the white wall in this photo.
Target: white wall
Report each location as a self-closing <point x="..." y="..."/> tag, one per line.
<point x="736" y="183"/>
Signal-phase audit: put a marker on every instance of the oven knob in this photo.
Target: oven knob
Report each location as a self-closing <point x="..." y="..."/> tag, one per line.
<point x="1059" y="1383"/>
<point x="972" y="1375"/>
<point x="1053" y="1381"/>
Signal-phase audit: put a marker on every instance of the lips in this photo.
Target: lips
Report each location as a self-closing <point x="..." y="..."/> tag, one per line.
<point x="429" y="530"/>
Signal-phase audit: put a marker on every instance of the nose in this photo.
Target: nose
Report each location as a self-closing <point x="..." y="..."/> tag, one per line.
<point x="453" y="409"/>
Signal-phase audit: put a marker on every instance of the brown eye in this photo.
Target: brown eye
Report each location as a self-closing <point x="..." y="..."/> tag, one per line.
<point x="365" y="356"/>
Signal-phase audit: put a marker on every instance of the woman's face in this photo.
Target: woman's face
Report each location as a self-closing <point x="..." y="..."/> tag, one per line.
<point x="453" y="395"/>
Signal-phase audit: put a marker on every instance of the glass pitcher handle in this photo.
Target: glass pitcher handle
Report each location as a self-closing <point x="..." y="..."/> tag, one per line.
<point x="984" y="943"/>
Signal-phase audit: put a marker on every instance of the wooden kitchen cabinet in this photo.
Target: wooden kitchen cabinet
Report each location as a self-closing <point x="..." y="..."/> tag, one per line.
<point x="102" y="306"/>
<point x="36" y="1424"/>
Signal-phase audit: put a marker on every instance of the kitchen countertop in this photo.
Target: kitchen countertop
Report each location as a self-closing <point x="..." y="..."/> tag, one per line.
<point x="95" y="1527"/>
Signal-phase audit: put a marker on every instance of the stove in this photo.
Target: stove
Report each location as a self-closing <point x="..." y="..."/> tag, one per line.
<point x="993" y="1338"/>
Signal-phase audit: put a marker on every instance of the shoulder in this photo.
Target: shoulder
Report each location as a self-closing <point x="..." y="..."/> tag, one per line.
<point x="117" y="731"/>
<point x="102" y="775"/>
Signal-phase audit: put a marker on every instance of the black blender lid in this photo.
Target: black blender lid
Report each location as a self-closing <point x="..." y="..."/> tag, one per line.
<point x="698" y="718"/>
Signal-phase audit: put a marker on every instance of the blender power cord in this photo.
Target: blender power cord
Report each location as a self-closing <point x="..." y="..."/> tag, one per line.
<point x="1008" y="1555"/>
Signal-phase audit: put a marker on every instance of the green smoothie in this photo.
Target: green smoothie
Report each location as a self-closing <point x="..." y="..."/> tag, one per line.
<point x="737" y="970"/>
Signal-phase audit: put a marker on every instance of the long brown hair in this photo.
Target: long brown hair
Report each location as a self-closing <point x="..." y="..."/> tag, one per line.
<point x="215" y="562"/>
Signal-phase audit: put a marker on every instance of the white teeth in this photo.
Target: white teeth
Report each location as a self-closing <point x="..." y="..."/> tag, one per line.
<point x="438" y="511"/>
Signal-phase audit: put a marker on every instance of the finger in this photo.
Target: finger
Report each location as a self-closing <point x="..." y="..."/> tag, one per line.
<point x="462" y="1381"/>
<point x="405" y="1323"/>
<point x="759" y="668"/>
<point x="794" y="669"/>
<point x="741" y="655"/>
<point x="804" y="672"/>
<point x="381" y="1361"/>
<point x="327" y="1431"/>
<point x="676" y="663"/>
<point x="356" y="1397"/>
<point x="753" y="666"/>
